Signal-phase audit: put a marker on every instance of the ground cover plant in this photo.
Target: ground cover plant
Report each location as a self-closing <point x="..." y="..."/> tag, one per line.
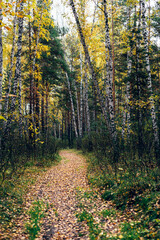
<point x="13" y="190"/>
<point x="135" y="194"/>
<point x="87" y="77"/>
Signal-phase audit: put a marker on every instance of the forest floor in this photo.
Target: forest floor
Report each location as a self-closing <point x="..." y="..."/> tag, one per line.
<point x="62" y="205"/>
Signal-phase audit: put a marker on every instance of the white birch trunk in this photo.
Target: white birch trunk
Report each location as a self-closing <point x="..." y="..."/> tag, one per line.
<point x="129" y="67"/>
<point x="86" y="103"/>
<point x="1" y="59"/>
<point x="1" y="71"/>
<point x="11" y="63"/>
<point x="127" y="116"/>
<point x="124" y="122"/>
<point x="77" y="103"/>
<point x="33" y="69"/>
<point x="149" y="79"/>
<point x="55" y="131"/>
<point x="110" y="74"/>
<point x="88" y="59"/>
<point x="72" y="106"/>
<point x="17" y="78"/>
<point x="81" y="96"/>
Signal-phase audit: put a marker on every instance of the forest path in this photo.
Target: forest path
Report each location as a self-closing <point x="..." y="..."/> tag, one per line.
<point x="60" y="186"/>
<point x="64" y="187"/>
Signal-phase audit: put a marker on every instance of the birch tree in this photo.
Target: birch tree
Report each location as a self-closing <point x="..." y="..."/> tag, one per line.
<point x="92" y="72"/>
<point x="86" y="102"/>
<point x="1" y="59"/>
<point x="149" y="78"/>
<point x="81" y="96"/>
<point x="11" y="62"/>
<point x="1" y="68"/>
<point x="72" y="106"/>
<point x="109" y="75"/>
<point x="17" y="77"/>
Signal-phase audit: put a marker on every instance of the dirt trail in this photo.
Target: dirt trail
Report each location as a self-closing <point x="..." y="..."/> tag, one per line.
<point x="59" y="187"/>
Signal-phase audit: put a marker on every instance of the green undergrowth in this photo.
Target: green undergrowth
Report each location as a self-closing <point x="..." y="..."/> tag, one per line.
<point x="14" y="189"/>
<point x="88" y="210"/>
<point x="36" y="214"/>
<point x="135" y="193"/>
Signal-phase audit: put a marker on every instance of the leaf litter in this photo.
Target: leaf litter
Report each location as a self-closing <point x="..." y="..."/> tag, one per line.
<point x="63" y="188"/>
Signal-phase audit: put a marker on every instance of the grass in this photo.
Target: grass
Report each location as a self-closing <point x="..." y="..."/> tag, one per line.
<point x="135" y="194"/>
<point x="13" y="192"/>
<point x="87" y="212"/>
<point x="36" y="214"/>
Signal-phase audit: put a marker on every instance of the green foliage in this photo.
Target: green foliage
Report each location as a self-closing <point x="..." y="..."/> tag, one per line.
<point x="13" y="190"/>
<point x="87" y="217"/>
<point x="17" y="154"/>
<point x="93" y="228"/>
<point x="130" y="189"/>
<point x="108" y="213"/>
<point x="36" y="214"/>
<point x="98" y="143"/>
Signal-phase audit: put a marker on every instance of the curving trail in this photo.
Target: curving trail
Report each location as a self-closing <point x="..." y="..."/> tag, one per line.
<point x="59" y="187"/>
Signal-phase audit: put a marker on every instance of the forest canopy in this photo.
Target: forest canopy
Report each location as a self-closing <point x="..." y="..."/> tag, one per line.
<point x="94" y="85"/>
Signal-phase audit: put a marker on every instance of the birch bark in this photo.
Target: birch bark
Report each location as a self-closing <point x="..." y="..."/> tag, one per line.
<point x="88" y="59"/>
<point x="86" y="103"/>
<point x="77" y="103"/>
<point x="149" y="79"/>
<point x="1" y="59"/>
<point x="72" y="106"/>
<point x="113" y="57"/>
<point x="46" y="122"/>
<point x="42" y="108"/>
<point x="1" y="71"/>
<point x="110" y="74"/>
<point x="11" y="63"/>
<point x="127" y="96"/>
<point x="17" y="77"/>
<point x="81" y="96"/>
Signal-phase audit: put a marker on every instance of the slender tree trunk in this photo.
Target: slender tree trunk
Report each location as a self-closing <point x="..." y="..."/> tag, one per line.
<point x="129" y="68"/>
<point x="36" y="47"/>
<point x="42" y="109"/>
<point x="110" y="75"/>
<point x="1" y="74"/>
<point x="55" y="130"/>
<point x="113" y="59"/>
<point x="32" y="80"/>
<point x="30" y="83"/>
<point x="149" y="13"/>
<point x="77" y="102"/>
<point x="37" y="102"/>
<point x="149" y="79"/>
<point x="124" y="122"/>
<point x="139" y="113"/>
<point x="72" y="106"/>
<point x="11" y="63"/>
<point x="20" y="106"/>
<point x="46" y="122"/>
<point x="87" y="104"/>
<point x="1" y="59"/>
<point x="128" y="86"/>
<point x="17" y="78"/>
<point x="87" y="56"/>
<point x="81" y="97"/>
<point x="84" y="119"/>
